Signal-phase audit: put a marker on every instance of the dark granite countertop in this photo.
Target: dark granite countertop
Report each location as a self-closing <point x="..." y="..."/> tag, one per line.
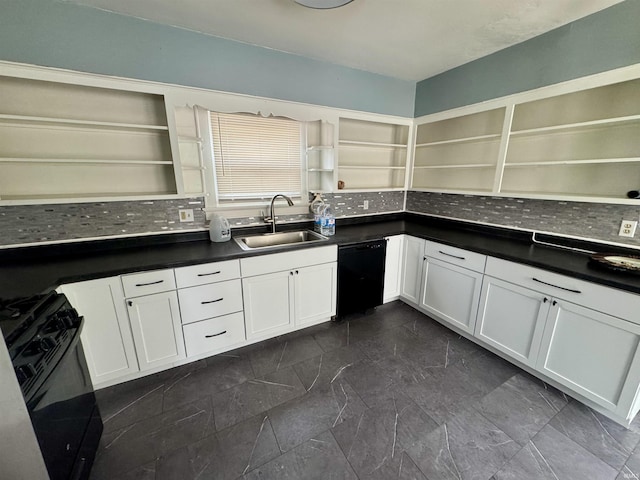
<point x="29" y="270"/>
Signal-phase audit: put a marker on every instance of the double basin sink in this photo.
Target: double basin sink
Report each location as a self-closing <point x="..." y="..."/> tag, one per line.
<point x="279" y="239"/>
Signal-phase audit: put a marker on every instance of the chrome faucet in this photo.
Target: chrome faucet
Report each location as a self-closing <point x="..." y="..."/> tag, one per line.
<point x="272" y="219"/>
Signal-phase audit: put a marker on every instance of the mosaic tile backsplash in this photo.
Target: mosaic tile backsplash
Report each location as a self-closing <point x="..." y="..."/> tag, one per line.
<point x="596" y="221"/>
<point x="28" y="224"/>
<point x="32" y="224"/>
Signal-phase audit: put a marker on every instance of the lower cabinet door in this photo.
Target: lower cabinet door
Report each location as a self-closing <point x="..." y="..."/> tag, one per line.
<point x="511" y="318"/>
<point x="594" y="354"/>
<point x="451" y="293"/>
<point x="315" y="293"/>
<point x="392" y="268"/>
<point x="267" y="304"/>
<point x="214" y="335"/>
<point x="106" y="335"/>
<point x="157" y="329"/>
<point x="412" y="260"/>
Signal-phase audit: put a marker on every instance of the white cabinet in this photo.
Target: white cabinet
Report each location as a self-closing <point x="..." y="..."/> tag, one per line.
<point x="278" y="300"/>
<point x="267" y="304"/>
<point x="412" y="259"/>
<point x="314" y="293"/>
<point x="511" y="319"/>
<point x="392" y="268"/>
<point x="451" y="289"/>
<point x="594" y="354"/>
<point x="532" y="315"/>
<point x="157" y="329"/>
<point x="106" y="334"/>
<point x="210" y="297"/>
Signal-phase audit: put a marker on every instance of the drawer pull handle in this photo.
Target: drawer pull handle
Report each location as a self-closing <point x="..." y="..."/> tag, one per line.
<point x="215" y="334"/>
<point x="449" y="255"/>
<point x="207" y="274"/>
<point x="213" y="301"/>
<point x="150" y="283"/>
<point x="556" y="286"/>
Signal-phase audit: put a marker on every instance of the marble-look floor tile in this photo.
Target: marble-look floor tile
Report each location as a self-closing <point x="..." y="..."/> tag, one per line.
<point x="145" y="472"/>
<point x="370" y="382"/>
<point x="374" y="442"/>
<point x="550" y="455"/>
<point x="392" y="342"/>
<point x="604" y="438"/>
<point x="136" y="445"/>
<point x="488" y="371"/>
<point x="631" y="469"/>
<point x="281" y="354"/>
<point x="444" y="393"/>
<point x="227" y="455"/>
<point x="467" y="447"/>
<point x="130" y="402"/>
<point x="326" y="367"/>
<point x="255" y="397"/>
<point x="319" y="458"/>
<point x="522" y="406"/>
<point x="324" y="407"/>
<point x="220" y="373"/>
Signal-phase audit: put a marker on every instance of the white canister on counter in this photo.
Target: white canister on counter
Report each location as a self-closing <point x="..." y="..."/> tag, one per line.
<point x="219" y="229"/>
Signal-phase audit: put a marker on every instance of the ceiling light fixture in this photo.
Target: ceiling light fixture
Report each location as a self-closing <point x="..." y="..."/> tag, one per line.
<point x="323" y="4"/>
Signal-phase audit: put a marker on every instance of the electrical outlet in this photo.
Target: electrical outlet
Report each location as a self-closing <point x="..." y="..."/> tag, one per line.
<point x="186" y="215"/>
<point x="365" y="204"/>
<point x="628" y="228"/>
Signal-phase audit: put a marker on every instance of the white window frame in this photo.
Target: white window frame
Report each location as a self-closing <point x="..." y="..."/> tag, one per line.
<point x="211" y="186"/>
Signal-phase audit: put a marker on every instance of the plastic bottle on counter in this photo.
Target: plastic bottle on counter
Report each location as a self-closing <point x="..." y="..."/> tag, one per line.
<point x="317" y="206"/>
<point x="327" y="222"/>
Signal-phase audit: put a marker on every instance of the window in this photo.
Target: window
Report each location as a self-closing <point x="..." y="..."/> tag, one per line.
<point x="255" y="157"/>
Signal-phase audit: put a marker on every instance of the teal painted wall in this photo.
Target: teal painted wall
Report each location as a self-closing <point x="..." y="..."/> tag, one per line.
<point x="57" y="34"/>
<point x="603" y="41"/>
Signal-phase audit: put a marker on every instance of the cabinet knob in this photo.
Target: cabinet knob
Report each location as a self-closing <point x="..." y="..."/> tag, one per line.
<point x="297" y="272"/>
<point x="554" y="303"/>
<point x="290" y="273"/>
<point x="130" y="303"/>
<point x="545" y="300"/>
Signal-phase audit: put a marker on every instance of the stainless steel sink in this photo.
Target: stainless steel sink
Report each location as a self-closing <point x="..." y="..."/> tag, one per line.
<point x="280" y="239"/>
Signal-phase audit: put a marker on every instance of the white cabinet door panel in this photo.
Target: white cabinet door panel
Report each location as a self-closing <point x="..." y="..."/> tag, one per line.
<point x="592" y="353"/>
<point x="412" y="259"/>
<point x="315" y="293"/>
<point x="267" y="300"/>
<point x="512" y="318"/>
<point x="157" y="330"/>
<point x="392" y="268"/>
<point x="451" y="293"/>
<point x="106" y="334"/>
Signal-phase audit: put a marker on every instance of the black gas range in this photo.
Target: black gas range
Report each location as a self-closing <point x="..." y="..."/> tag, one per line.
<point x="42" y="334"/>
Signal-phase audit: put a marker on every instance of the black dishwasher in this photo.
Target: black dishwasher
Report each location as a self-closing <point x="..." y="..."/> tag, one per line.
<point x="360" y="276"/>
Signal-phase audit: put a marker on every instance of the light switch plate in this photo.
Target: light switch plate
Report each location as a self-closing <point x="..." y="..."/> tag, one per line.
<point x="628" y="228"/>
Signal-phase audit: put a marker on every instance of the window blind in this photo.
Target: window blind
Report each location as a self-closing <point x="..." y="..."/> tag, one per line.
<point x="255" y="157"/>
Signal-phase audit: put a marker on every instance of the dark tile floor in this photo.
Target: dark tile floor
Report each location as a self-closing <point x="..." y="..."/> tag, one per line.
<point x="387" y="395"/>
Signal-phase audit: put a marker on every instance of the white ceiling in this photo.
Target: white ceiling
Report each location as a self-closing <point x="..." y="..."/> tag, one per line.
<point x="407" y="39"/>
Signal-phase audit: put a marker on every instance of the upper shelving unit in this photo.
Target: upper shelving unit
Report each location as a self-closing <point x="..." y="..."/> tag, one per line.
<point x="63" y="141"/>
<point x="320" y="156"/>
<point x="458" y="153"/>
<point x="584" y="144"/>
<point x="373" y="155"/>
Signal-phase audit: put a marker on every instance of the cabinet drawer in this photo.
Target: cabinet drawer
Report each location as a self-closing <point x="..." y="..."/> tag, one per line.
<point x="147" y="283"/>
<point x="207" y="273"/>
<point x="214" y="334"/>
<point x="591" y="295"/>
<point x="208" y="301"/>
<point x="457" y="256"/>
